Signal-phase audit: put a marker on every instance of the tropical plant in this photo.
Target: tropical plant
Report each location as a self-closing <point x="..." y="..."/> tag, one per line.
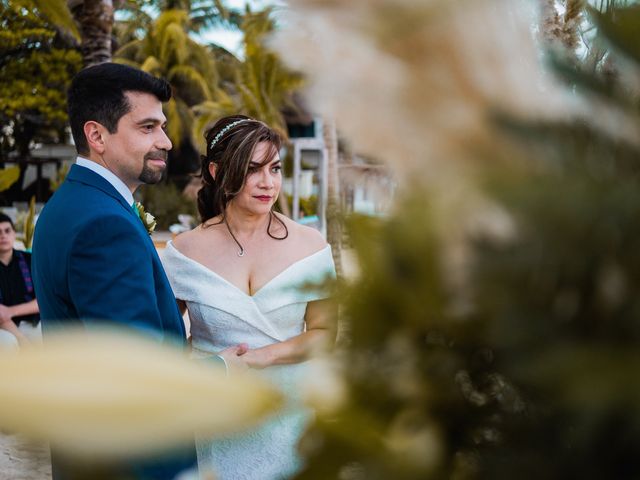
<point x="8" y="176"/>
<point x="36" y="66"/>
<point x="29" y="224"/>
<point x="136" y="16"/>
<point x="262" y="86"/>
<point x="58" y="13"/>
<point x="95" y="21"/>
<point x="61" y="174"/>
<point x="90" y="20"/>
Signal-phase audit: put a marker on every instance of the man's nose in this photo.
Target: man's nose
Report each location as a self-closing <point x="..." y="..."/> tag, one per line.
<point x="164" y="142"/>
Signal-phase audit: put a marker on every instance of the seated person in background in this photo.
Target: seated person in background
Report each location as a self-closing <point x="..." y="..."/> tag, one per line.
<point x="19" y="316"/>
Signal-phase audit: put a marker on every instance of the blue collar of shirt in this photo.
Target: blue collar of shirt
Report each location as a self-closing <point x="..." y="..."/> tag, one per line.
<point x="108" y="176"/>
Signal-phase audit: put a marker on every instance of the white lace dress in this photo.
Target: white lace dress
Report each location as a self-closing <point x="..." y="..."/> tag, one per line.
<point x="222" y="315"/>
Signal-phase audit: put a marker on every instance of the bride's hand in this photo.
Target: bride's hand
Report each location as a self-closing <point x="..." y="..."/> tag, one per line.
<point x="256" y="358"/>
<point x="233" y="358"/>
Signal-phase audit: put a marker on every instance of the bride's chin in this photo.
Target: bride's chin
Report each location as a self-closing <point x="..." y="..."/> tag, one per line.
<point x="261" y="209"/>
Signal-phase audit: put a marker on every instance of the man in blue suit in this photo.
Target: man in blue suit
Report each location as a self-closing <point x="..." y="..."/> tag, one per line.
<point x="93" y="260"/>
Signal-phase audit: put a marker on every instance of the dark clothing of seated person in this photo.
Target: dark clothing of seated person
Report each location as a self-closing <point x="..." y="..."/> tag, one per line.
<point x="19" y="315"/>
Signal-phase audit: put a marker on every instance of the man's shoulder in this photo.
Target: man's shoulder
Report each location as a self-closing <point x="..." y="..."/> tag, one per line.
<point x="74" y="200"/>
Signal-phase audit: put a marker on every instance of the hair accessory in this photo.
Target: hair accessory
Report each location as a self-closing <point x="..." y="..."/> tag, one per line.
<point x="226" y="129"/>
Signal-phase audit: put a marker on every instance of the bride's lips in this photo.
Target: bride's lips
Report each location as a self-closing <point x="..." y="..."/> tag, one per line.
<point x="263" y="198"/>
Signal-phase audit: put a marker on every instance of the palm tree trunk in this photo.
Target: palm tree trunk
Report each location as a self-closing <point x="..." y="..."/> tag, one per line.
<point x="334" y="225"/>
<point x="95" y="21"/>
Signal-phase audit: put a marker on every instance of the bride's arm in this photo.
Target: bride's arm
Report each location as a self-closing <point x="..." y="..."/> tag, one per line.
<point x="320" y="334"/>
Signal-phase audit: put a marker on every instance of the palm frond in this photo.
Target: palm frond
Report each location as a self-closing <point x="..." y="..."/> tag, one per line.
<point x="174" y="124"/>
<point x="58" y="13"/>
<point x="209" y="14"/>
<point x="152" y="65"/>
<point x="169" y="17"/>
<point x="126" y="61"/>
<point x="131" y="51"/>
<point x="207" y="113"/>
<point x="204" y="60"/>
<point x="190" y="80"/>
<point x="173" y="44"/>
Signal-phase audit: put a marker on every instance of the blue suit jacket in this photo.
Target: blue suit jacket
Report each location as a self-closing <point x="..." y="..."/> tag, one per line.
<point x="93" y="261"/>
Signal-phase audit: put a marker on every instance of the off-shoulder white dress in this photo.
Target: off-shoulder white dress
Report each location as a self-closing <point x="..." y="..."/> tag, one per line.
<point x="222" y="315"/>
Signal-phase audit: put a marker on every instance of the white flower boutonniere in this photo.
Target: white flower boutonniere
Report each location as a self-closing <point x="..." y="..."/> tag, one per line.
<point x="148" y="220"/>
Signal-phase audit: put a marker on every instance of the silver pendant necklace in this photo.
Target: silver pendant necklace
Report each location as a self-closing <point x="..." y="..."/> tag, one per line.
<point x="241" y="251"/>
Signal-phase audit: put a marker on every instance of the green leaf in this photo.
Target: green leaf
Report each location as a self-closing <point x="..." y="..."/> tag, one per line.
<point x="8" y="176"/>
<point x="58" y="13"/>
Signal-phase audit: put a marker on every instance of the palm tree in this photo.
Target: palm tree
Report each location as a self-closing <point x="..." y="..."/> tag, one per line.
<point x="334" y="224"/>
<point x="93" y="19"/>
<point x="203" y="14"/>
<point x="264" y="83"/>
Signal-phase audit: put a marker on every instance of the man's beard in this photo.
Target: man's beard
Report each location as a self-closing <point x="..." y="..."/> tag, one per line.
<point x="149" y="175"/>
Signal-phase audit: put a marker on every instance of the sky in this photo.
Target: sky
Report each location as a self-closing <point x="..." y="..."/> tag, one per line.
<point x="230" y="39"/>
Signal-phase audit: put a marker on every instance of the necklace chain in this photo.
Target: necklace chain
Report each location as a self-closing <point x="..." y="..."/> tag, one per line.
<point x="241" y="251"/>
<point x="271" y="215"/>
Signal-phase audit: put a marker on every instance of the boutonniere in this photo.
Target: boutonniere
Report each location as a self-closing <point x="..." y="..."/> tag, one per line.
<point x="148" y="220"/>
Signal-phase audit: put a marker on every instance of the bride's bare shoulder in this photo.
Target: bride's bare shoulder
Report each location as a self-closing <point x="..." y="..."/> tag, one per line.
<point x="193" y="240"/>
<point x="307" y="238"/>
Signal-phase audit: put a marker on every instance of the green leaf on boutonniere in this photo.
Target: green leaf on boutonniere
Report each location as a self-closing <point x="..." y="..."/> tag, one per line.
<point x="148" y="220"/>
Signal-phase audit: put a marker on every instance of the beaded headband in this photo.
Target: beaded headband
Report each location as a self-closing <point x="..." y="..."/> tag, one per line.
<point x="226" y="129"/>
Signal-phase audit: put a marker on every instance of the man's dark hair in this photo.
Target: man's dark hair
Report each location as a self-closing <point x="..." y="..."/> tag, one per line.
<point x="97" y="94"/>
<point x="6" y="218"/>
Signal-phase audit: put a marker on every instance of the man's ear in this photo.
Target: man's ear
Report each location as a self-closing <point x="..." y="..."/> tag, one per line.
<point x="93" y="133"/>
<point x="212" y="169"/>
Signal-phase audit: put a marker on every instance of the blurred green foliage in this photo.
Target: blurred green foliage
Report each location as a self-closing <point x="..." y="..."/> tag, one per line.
<point x="308" y="205"/>
<point x="529" y="369"/>
<point x="36" y="66"/>
<point x="8" y="176"/>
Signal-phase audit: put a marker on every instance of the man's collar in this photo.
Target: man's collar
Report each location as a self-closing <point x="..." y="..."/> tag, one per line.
<point x="108" y="176"/>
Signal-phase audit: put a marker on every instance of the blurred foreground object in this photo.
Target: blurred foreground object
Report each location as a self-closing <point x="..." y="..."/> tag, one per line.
<point x="102" y="395"/>
<point x="417" y="79"/>
<point x="494" y="328"/>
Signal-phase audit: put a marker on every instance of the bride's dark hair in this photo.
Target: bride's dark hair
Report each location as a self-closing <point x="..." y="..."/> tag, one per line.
<point x="231" y="143"/>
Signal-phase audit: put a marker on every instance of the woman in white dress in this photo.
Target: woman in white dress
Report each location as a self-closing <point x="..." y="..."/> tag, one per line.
<point x="244" y="275"/>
